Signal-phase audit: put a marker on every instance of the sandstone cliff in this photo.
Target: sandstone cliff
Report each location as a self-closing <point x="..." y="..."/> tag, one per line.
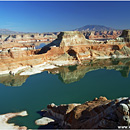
<point x="102" y="35"/>
<point x="125" y="36"/>
<point x="68" y="49"/>
<point x="27" y="38"/>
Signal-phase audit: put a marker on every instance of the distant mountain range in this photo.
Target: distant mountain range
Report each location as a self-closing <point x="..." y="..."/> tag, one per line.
<point x="10" y="32"/>
<point x="84" y="28"/>
<point x="7" y="31"/>
<point x="94" y="28"/>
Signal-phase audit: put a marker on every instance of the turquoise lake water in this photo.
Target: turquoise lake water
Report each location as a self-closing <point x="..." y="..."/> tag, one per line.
<point x="72" y="84"/>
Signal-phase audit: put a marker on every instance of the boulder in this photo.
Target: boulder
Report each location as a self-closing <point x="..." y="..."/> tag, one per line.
<point x="44" y="121"/>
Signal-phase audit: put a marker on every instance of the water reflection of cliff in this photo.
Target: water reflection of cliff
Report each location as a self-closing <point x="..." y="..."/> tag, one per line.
<point x="72" y="74"/>
<point x="10" y="80"/>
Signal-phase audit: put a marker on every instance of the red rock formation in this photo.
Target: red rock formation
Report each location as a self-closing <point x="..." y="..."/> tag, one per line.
<point x="28" y="38"/>
<point x="68" y="48"/>
<point x="15" y="51"/>
<point x="95" y="35"/>
<point x="100" y="114"/>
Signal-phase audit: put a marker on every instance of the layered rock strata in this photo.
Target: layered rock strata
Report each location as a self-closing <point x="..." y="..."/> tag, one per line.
<point x="102" y="35"/>
<point x="28" y="38"/>
<point x="69" y="48"/>
<point x="15" y="51"/>
<point x="125" y="36"/>
<point x="100" y="114"/>
<point x="49" y="37"/>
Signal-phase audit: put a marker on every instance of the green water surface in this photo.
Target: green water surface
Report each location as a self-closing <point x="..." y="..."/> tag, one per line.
<point x="73" y="84"/>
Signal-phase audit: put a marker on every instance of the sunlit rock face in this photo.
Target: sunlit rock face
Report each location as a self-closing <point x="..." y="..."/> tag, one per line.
<point x="103" y="35"/>
<point x="68" y="49"/>
<point x="68" y="38"/>
<point x="76" y="45"/>
<point x="71" y="38"/>
<point x="27" y="38"/>
<point x="16" y="50"/>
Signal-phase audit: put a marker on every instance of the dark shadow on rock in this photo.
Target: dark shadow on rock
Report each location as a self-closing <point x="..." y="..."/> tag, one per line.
<point x="41" y="113"/>
<point x="115" y="62"/>
<point x="72" y="53"/>
<point x="46" y="48"/>
<point x="56" y="43"/>
<point x="49" y="126"/>
<point x="115" y="47"/>
<point x="72" y="68"/>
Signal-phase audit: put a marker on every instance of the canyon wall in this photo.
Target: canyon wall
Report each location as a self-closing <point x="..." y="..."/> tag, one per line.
<point x="125" y="36"/>
<point x="49" y="37"/>
<point x="69" y="48"/>
<point x="102" y="35"/>
<point x="30" y="38"/>
<point x="16" y="50"/>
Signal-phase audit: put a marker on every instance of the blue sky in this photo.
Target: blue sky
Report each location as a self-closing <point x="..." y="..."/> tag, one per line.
<point x="43" y="16"/>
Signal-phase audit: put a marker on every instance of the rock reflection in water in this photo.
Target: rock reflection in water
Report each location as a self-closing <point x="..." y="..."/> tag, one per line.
<point x="72" y="74"/>
<point x="10" y="80"/>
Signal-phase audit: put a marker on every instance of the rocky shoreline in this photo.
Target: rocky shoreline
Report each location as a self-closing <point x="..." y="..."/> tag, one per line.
<point x="69" y="74"/>
<point x="100" y="113"/>
<point x="4" y="121"/>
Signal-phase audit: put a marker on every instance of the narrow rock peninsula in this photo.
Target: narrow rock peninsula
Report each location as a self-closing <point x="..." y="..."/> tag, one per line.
<point x="100" y="113"/>
<point x="5" y="117"/>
